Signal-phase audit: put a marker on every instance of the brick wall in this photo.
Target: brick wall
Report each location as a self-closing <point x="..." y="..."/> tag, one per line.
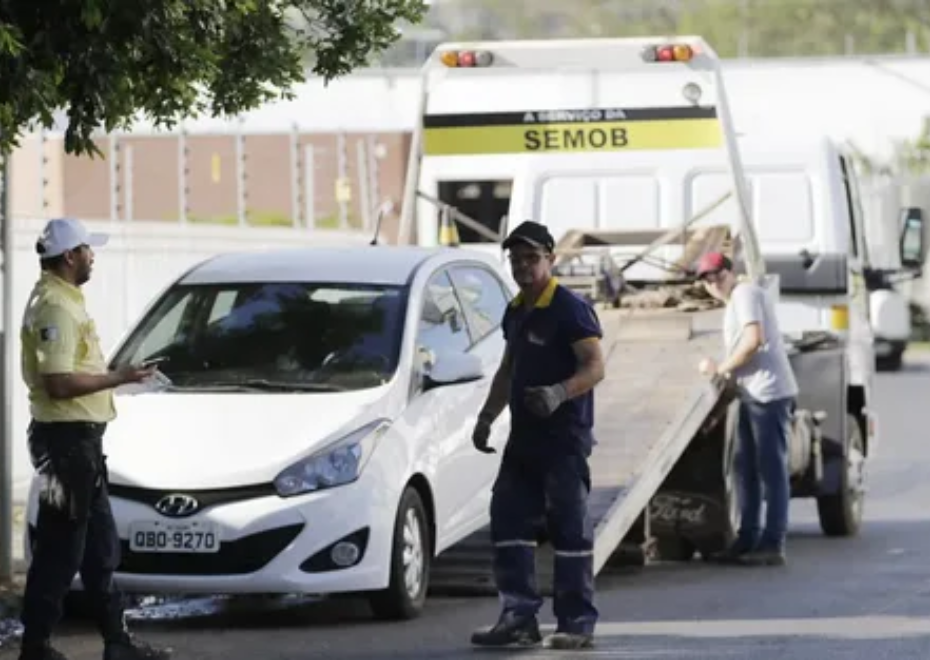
<point x="270" y="178"/>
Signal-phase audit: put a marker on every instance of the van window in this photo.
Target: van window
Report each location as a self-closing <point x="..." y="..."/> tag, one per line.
<point x="783" y="207"/>
<point x="630" y="201"/>
<point x="627" y="201"/>
<point x="707" y="191"/>
<point x="484" y="201"/>
<point x="782" y="204"/>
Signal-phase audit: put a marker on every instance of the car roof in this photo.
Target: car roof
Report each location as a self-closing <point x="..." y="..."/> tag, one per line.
<point x="380" y="264"/>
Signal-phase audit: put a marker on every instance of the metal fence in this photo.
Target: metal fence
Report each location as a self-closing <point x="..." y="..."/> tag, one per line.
<point x="298" y="179"/>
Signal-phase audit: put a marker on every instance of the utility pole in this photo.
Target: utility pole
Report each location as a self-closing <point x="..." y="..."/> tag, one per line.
<point x="6" y="367"/>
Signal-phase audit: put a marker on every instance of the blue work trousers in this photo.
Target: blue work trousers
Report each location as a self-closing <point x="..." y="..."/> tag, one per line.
<point x="762" y="470"/>
<point x="554" y="489"/>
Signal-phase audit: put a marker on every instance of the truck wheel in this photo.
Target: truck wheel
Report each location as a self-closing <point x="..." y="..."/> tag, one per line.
<point x="892" y="362"/>
<point x="841" y="513"/>
<point x="731" y="504"/>
<point x="410" y="562"/>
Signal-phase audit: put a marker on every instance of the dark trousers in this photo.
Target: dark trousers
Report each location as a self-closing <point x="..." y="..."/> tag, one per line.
<point x="530" y="489"/>
<point x="762" y="469"/>
<point x="75" y="531"/>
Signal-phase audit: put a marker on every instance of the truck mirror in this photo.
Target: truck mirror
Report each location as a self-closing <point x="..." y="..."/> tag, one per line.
<point x="912" y="238"/>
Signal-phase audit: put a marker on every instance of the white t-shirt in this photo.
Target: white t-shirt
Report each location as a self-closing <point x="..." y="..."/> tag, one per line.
<point x="768" y="375"/>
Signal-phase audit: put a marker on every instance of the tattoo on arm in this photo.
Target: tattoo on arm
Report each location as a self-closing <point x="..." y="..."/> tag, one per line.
<point x="590" y="367"/>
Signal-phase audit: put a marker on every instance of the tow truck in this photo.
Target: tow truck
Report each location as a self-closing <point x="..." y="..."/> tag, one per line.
<point x="614" y="144"/>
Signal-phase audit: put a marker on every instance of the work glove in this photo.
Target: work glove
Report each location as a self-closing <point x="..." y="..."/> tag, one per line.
<point x="543" y="401"/>
<point x="482" y="432"/>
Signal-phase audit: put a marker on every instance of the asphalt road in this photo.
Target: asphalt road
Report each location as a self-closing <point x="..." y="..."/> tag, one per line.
<point x="864" y="598"/>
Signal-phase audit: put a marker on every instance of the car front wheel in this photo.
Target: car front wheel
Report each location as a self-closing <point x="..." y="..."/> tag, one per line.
<point x="410" y="562"/>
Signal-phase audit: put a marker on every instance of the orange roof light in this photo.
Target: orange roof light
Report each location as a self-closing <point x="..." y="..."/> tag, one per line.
<point x="682" y="52"/>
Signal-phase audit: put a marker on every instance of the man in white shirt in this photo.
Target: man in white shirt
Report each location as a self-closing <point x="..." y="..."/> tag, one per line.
<point x="757" y="360"/>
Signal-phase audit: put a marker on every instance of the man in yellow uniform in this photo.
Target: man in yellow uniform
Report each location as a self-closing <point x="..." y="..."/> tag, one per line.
<point x="71" y="400"/>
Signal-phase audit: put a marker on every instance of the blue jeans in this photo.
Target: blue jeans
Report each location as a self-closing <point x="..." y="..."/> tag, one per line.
<point x="762" y="467"/>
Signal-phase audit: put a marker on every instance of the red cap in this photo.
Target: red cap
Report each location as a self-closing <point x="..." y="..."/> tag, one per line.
<point x="713" y="262"/>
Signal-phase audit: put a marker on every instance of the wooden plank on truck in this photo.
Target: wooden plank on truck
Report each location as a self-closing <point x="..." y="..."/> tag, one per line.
<point x="648" y="408"/>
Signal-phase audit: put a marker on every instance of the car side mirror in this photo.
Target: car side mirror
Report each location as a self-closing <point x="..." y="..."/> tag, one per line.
<point x="453" y="368"/>
<point x="912" y="247"/>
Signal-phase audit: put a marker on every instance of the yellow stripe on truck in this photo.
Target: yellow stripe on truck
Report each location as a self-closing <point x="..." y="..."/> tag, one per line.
<point x="572" y="131"/>
<point x="545" y="138"/>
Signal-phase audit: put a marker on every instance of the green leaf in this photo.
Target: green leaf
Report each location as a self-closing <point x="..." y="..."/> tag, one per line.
<point x="106" y="63"/>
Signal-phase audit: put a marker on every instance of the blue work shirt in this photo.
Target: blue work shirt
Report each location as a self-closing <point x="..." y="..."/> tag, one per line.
<point x="540" y="341"/>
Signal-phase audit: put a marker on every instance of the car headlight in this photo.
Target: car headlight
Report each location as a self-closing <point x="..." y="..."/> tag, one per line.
<point x="336" y="464"/>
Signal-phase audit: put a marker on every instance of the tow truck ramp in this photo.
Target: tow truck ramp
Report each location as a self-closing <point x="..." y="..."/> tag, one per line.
<point x="650" y="405"/>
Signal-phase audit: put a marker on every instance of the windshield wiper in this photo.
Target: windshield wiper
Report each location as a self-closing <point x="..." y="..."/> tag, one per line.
<point x="289" y="386"/>
<point x="258" y="385"/>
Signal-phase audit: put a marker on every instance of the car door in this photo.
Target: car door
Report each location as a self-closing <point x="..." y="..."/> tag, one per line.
<point x="434" y="414"/>
<point x="484" y="299"/>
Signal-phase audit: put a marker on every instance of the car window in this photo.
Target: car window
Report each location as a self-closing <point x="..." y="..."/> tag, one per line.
<point x="482" y="295"/>
<point x="332" y="336"/>
<point x="167" y="328"/>
<point x="442" y="323"/>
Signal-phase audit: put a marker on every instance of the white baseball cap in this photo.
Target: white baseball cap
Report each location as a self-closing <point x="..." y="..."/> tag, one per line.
<point x="63" y="234"/>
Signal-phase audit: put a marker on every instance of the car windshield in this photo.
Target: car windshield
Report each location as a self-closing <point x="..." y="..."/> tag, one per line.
<point x="272" y="336"/>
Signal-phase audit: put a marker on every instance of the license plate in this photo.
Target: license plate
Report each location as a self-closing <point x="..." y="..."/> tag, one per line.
<point x="187" y="537"/>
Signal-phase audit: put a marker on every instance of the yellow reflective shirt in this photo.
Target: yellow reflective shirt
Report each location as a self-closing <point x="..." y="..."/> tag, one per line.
<point x="58" y="337"/>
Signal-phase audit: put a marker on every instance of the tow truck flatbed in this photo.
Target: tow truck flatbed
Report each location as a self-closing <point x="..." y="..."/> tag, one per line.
<point x="651" y="404"/>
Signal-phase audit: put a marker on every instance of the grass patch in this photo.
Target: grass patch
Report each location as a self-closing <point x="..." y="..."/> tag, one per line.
<point x="255" y="219"/>
<point x="919" y="347"/>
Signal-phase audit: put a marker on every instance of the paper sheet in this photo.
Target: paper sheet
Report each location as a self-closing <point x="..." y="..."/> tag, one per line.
<point x="156" y="383"/>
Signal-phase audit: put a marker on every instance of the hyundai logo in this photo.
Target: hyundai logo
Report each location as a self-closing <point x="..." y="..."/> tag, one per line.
<point x="177" y="506"/>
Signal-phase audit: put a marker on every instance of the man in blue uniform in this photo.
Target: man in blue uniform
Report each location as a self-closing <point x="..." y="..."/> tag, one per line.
<point x="551" y="364"/>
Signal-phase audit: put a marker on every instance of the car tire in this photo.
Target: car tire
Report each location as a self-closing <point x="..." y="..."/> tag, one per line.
<point x="410" y="563"/>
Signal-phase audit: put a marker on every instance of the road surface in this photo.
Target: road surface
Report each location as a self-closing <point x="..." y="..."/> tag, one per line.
<point x="872" y="604"/>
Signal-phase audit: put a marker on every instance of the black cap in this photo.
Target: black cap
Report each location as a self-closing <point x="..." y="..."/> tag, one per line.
<point x="531" y="233"/>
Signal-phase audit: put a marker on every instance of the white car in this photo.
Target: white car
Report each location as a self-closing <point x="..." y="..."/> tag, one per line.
<point x="316" y="434"/>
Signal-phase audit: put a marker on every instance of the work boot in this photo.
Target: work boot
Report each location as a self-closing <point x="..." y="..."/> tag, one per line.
<point x="732" y="555"/>
<point x="41" y="652"/>
<point x="509" y="631"/>
<point x="566" y="641"/>
<point x="764" y="557"/>
<point x="134" y="649"/>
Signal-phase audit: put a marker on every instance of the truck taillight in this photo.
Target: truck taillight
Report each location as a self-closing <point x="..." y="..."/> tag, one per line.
<point x="668" y="53"/>
<point x="466" y="58"/>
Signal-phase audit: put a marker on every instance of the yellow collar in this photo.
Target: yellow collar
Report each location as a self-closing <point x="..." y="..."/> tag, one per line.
<point x="545" y="298"/>
<point x="51" y="281"/>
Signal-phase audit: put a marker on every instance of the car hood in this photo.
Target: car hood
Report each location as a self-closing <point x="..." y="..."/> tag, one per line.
<point x="210" y="440"/>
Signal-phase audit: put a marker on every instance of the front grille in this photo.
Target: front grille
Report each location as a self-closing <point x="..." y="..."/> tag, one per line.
<point x="206" y="498"/>
<point x="245" y="555"/>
